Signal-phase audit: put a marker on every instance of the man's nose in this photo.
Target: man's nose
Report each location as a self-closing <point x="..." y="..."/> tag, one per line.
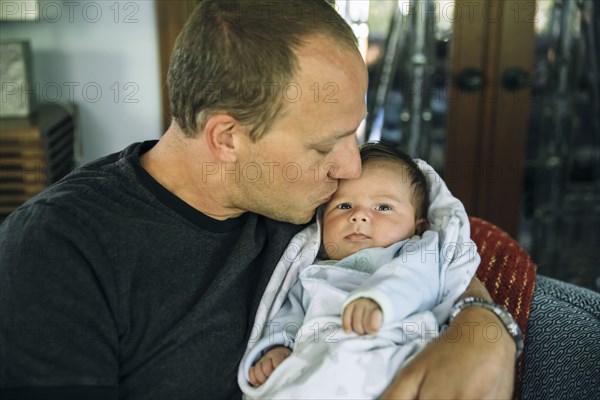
<point x="347" y="162"/>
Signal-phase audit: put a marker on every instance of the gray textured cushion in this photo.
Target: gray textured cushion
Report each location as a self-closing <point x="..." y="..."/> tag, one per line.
<point x="562" y="349"/>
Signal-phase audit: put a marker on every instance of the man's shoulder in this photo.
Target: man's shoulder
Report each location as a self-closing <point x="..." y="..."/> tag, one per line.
<point x="87" y="189"/>
<point x="114" y="160"/>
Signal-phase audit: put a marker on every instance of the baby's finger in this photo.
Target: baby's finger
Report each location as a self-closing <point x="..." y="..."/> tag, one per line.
<point x="258" y="372"/>
<point x="251" y="376"/>
<point x="357" y="320"/>
<point x="347" y="318"/>
<point x="253" y="379"/>
<point x="373" y="321"/>
<point x="267" y="368"/>
<point x="278" y="359"/>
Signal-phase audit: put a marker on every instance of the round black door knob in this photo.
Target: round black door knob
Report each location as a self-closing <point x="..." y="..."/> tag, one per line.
<point x="470" y="79"/>
<point x="515" y="79"/>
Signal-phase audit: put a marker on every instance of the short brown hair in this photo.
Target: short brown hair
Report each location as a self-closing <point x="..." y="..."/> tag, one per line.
<point x="233" y="54"/>
<point x="379" y="151"/>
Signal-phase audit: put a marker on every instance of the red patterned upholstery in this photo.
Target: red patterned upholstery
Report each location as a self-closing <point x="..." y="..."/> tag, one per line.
<point x="508" y="273"/>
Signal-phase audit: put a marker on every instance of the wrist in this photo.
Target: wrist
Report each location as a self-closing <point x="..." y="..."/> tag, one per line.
<point x="472" y="306"/>
<point x="477" y="289"/>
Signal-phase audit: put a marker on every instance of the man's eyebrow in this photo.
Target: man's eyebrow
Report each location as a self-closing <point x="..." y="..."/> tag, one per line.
<point x="340" y="135"/>
<point x="331" y="140"/>
<point x="352" y="131"/>
<point x="344" y="134"/>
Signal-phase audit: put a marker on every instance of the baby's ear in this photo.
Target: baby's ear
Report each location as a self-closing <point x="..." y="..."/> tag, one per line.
<point x="421" y="226"/>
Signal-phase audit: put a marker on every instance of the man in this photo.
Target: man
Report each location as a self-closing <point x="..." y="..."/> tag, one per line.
<point x="138" y="276"/>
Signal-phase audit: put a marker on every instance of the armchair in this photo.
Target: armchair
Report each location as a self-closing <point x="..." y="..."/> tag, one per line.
<point x="560" y="321"/>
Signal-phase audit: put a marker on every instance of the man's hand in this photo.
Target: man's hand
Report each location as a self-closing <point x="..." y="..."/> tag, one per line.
<point x="362" y="316"/>
<point x="260" y="371"/>
<point x="473" y="359"/>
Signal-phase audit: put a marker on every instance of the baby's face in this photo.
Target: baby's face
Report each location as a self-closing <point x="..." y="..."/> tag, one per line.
<point x="374" y="210"/>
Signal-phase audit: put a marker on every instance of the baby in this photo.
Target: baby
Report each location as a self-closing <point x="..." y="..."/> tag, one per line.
<point x="378" y="265"/>
<point x="386" y="205"/>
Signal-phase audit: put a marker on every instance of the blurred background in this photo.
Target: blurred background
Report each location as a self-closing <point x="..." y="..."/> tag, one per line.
<point x="502" y="97"/>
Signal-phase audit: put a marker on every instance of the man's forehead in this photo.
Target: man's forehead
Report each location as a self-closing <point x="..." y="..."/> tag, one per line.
<point x="338" y="134"/>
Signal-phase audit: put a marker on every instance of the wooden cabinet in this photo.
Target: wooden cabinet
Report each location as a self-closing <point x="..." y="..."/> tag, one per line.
<point x="34" y="153"/>
<point x="171" y="15"/>
<point x="465" y="111"/>
<point x="487" y="125"/>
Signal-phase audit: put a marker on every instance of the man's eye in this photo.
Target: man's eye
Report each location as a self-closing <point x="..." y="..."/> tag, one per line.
<point x="383" y="207"/>
<point x="323" y="151"/>
<point x="344" y="206"/>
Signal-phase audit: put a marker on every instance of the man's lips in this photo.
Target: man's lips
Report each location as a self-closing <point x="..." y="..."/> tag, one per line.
<point x="357" y="237"/>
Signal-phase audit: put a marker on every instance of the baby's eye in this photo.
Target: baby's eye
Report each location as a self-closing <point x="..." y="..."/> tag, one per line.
<point x="383" y="207"/>
<point x="344" y="206"/>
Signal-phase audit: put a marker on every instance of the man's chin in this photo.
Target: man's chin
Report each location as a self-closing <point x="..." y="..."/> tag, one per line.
<point x="303" y="220"/>
<point x="296" y="219"/>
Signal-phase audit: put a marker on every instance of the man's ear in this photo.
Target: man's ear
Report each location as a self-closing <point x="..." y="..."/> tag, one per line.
<point x="219" y="133"/>
<point x="421" y="226"/>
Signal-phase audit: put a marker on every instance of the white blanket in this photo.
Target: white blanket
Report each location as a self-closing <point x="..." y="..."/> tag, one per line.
<point x="328" y="363"/>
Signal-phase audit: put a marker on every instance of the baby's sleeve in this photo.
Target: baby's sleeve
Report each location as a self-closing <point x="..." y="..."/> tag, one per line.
<point x="409" y="283"/>
<point x="282" y="329"/>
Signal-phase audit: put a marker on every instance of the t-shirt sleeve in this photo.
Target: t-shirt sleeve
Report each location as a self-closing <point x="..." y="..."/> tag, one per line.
<point x="57" y="307"/>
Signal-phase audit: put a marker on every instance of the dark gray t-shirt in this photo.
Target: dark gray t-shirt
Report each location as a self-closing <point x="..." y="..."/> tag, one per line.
<point x="112" y="286"/>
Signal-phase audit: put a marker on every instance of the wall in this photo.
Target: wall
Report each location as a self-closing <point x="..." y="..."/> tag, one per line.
<point x="101" y="55"/>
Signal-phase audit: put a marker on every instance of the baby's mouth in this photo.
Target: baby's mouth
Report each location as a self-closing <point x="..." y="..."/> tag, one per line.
<point x="357" y="237"/>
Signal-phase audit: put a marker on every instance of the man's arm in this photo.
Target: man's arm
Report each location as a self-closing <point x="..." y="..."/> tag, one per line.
<point x="58" y="338"/>
<point x="475" y="289"/>
<point x="469" y="360"/>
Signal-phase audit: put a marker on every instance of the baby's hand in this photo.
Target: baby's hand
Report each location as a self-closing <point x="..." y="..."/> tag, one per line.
<point x="362" y="316"/>
<point x="260" y="371"/>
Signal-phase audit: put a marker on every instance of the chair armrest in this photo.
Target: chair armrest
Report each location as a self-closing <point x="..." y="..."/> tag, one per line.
<point x="562" y="348"/>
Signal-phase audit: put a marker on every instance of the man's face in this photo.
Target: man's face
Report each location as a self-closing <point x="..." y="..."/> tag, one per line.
<point x="312" y="144"/>
<point x="374" y="210"/>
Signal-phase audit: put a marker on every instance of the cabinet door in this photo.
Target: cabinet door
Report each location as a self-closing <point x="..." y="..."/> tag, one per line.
<point x="487" y="126"/>
<point x="452" y="87"/>
<point x="172" y="15"/>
